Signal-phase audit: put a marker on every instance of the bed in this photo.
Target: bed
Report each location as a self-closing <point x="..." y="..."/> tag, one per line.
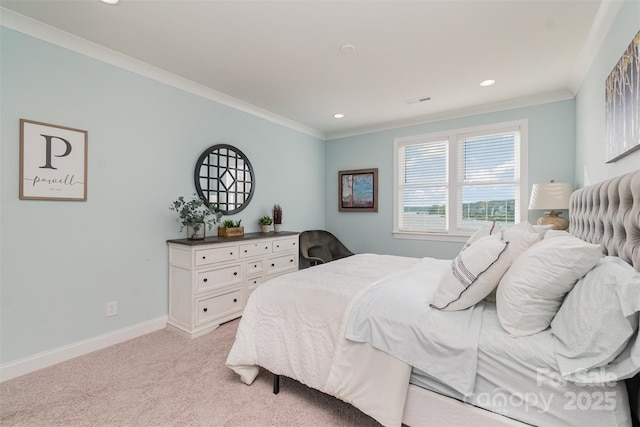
<point x="476" y="340"/>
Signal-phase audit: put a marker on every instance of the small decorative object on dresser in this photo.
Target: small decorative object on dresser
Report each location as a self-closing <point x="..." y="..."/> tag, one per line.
<point x="231" y="228"/>
<point x="195" y="215"/>
<point x="265" y="223"/>
<point x="277" y="218"/>
<point x="210" y="280"/>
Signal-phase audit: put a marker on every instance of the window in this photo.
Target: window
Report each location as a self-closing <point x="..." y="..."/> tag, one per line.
<point x="450" y="184"/>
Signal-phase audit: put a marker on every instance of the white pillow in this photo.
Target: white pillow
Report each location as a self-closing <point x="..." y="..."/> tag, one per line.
<point x="521" y="236"/>
<point x="531" y="292"/>
<point x="472" y="274"/>
<point x="487" y="230"/>
<point x="542" y="229"/>
<point x="596" y="321"/>
<point x="476" y="271"/>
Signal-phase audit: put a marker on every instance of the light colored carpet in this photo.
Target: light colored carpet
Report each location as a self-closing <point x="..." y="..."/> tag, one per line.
<point x="165" y="379"/>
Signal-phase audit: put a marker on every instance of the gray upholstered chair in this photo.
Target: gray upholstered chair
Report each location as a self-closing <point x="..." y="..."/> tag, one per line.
<point x="319" y="247"/>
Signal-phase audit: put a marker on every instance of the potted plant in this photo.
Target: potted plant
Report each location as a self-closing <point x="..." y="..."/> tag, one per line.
<point x="231" y="228"/>
<point x="265" y="222"/>
<point x="277" y="218"/>
<point x="195" y="215"/>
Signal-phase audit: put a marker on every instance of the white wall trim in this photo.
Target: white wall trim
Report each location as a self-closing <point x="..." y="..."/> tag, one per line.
<point x="511" y="104"/>
<point x="51" y="357"/>
<point x="602" y="23"/>
<point x="42" y="31"/>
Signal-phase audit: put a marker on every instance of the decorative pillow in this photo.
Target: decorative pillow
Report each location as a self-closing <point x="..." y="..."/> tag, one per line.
<point x="531" y="292"/>
<point x="476" y="271"/>
<point x="521" y="236"/>
<point x="472" y="275"/>
<point x="596" y="322"/>
<point x="542" y="230"/>
<point x="321" y="252"/>
<point x="487" y="230"/>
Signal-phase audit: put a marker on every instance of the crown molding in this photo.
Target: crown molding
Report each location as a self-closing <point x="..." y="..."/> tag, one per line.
<point x="602" y="23"/>
<point x="42" y="31"/>
<point x="544" y="98"/>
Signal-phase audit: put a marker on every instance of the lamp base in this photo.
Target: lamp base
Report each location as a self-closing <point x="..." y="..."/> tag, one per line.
<point x="554" y="219"/>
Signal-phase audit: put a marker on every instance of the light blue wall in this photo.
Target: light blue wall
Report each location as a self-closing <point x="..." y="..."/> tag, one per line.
<point x="551" y="154"/>
<point x="590" y="103"/>
<point x="62" y="261"/>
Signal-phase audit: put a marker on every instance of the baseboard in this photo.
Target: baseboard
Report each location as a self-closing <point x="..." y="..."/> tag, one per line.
<point x="79" y="348"/>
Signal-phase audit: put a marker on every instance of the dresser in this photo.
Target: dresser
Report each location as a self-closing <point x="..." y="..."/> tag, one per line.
<point x="211" y="279"/>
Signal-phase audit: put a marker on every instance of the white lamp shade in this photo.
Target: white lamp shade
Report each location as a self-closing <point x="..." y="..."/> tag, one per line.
<point x="552" y="195"/>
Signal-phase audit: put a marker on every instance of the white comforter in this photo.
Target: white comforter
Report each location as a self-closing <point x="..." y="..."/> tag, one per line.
<point x="394" y="316"/>
<point x="294" y="325"/>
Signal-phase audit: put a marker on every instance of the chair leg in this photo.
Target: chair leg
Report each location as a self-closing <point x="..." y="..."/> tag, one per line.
<point x="276" y="384"/>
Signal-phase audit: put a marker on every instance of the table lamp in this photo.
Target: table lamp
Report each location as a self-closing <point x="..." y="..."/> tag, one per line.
<point x="552" y="195"/>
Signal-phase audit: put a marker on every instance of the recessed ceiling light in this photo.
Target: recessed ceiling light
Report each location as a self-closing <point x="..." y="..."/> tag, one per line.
<point x="487" y="83"/>
<point x="347" y="49"/>
<point x="109" y="1"/>
<point x="338" y="116"/>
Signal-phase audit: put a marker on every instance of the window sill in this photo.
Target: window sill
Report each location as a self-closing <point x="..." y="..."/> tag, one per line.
<point x="442" y="237"/>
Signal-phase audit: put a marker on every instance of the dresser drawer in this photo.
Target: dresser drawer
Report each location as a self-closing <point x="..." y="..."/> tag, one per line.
<point x="255" y="267"/>
<point x="219" y="306"/>
<point x="219" y="277"/>
<point x="281" y="264"/>
<point x="282" y="245"/>
<point x="255" y="249"/>
<point x="252" y="283"/>
<point x="217" y="254"/>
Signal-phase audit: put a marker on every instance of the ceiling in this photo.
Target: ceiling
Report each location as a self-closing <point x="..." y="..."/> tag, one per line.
<point x="284" y="57"/>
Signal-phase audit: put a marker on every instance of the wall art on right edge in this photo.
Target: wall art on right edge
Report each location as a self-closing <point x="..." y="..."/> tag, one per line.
<point x="622" y="110"/>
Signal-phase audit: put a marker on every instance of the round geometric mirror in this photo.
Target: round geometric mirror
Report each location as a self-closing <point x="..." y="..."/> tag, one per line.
<point x="224" y="178"/>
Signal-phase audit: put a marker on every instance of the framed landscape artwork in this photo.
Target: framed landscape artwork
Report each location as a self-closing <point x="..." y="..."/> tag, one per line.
<point x="622" y="111"/>
<point x="358" y="190"/>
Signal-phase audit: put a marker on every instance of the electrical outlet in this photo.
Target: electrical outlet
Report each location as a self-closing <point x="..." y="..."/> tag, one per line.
<point x="112" y="308"/>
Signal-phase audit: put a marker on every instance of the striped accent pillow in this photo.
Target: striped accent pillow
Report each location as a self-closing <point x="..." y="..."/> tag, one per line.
<point x="474" y="273"/>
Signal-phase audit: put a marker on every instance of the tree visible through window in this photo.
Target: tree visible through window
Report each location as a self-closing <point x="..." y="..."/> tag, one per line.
<point x="455" y="182"/>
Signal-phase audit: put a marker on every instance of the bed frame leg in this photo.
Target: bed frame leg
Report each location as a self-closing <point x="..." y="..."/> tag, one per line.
<point x="276" y="384"/>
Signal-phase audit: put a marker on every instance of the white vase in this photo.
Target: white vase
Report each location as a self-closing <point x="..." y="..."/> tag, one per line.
<point x="265" y="228"/>
<point x="277" y="227"/>
<point x="196" y="231"/>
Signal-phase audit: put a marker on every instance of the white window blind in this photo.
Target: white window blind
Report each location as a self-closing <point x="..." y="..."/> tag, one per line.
<point x="424" y="186"/>
<point x="488" y="179"/>
<point x="455" y="182"/>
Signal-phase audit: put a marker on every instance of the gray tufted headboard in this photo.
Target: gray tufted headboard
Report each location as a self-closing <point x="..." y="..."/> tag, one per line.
<point x="608" y="213"/>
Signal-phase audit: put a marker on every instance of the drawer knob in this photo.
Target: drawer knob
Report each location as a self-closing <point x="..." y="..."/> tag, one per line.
<point x="245" y="251"/>
<point x="235" y="300"/>
<point x="204" y="309"/>
<point x="266" y="247"/>
<point x="290" y="260"/>
<point x="235" y="273"/>
<point x="277" y="246"/>
<point x="273" y="265"/>
<point x="230" y="253"/>
<point x="255" y="265"/>
<point x="204" y="257"/>
<point x="205" y="280"/>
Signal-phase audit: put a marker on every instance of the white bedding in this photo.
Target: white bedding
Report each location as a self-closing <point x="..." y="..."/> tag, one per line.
<point x="519" y="378"/>
<point x="296" y="318"/>
<point x="394" y="315"/>
<point x="295" y="325"/>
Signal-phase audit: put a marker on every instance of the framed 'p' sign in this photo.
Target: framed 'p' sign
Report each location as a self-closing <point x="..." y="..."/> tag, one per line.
<point x="53" y="162"/>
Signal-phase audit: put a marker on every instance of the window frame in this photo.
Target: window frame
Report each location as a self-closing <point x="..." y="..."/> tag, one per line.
<point x="453" y="136"/>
